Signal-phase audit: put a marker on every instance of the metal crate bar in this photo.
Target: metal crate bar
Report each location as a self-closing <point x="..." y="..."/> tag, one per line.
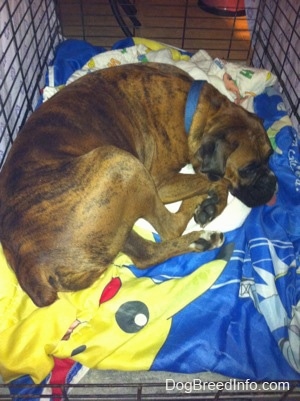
<point x="279" y="52"/>
<point x="27" y="44"/>
<point x="157" y="391"/>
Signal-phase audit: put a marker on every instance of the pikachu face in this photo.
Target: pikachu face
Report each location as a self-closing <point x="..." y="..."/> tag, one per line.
<point x="135" y="316"/>
<point x="120" y="322"/>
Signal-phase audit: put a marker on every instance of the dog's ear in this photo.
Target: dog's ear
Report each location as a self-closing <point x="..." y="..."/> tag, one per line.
<point x="214" y="154"/>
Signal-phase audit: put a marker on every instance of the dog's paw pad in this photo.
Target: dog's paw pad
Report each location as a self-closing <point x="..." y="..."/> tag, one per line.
<point x="207" y="210"/>
<point x="208" y="240"/>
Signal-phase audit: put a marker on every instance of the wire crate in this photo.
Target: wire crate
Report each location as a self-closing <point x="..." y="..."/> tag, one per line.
<point x="29" y="32"/>
<point x="180" y="23"/>
<point x="279" y="52"/>
<point x="39" y="26"/>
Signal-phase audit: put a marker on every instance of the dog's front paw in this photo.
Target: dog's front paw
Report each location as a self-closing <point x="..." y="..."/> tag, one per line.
<point x="208" y="240"/>
<point x="207" y="210"/>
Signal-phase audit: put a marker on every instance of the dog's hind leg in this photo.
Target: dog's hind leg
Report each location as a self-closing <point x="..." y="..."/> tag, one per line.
<point x="95" y="201"/>
<point x="140" y="199"/>
<point x="133" y="195"/>
<point x="145" y="253"/>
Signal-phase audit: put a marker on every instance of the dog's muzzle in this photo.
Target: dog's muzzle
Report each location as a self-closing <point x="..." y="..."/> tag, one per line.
<point x="259" y="192"/>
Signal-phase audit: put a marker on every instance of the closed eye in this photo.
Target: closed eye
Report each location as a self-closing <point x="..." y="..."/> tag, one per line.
<point x="252" y="168"/>
<point x="249" y="170"/>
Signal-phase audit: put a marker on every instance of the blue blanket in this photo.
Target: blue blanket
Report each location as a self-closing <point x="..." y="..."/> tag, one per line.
<point x="246" y="323"/>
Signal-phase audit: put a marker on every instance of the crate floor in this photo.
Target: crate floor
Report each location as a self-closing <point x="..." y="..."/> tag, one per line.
<point x="178" y="23"/>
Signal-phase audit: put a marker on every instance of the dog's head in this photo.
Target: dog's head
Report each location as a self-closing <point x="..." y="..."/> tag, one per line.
<point x="235" y="146"/>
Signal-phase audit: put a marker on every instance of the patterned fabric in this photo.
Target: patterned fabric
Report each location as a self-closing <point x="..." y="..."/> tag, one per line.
<point x="233" y="311"/>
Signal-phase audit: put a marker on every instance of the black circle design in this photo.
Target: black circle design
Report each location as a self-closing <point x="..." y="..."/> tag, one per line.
<point x="132" y="316"/>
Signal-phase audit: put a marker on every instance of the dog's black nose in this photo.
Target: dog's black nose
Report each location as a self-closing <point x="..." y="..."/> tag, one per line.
<point x="259" y="193"/>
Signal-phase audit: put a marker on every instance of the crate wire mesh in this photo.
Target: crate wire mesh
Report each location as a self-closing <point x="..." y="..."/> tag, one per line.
<point x="22" y="79"/>
<point x="29" y="31"/>
<point x="183" y="24"/>
<point x="139" y="391"/>
<point x="276" y="47"/>
<point x="180" y="23"/>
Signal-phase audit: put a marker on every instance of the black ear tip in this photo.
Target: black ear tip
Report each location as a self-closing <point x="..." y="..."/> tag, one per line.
<point x="213" y="159"/>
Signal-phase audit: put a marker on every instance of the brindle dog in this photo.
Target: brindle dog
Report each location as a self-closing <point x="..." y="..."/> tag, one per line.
<point x="106" y="151"/>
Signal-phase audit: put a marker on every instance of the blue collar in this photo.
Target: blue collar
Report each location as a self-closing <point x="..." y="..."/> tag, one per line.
<point x="191" y="103"/>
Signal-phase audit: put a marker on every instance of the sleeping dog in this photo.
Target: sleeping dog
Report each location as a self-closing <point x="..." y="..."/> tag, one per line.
<point x="107" y="150"/>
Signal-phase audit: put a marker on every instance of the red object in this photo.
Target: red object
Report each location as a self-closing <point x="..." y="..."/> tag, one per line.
<point x="223" y="7"/>
<point x="111" y="289"/>
<point x="59" y="376"/>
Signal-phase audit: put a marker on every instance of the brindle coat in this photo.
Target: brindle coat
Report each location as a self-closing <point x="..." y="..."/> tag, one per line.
<point x="105" y="151"/>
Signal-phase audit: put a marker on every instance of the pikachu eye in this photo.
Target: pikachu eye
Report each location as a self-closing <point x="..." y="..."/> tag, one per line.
<point x="132" y="316"/>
